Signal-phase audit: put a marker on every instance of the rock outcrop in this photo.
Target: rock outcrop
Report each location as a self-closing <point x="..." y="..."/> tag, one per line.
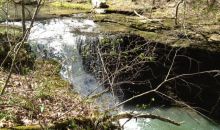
<point x="214" y="38"/>
<point x="138" y="65"/>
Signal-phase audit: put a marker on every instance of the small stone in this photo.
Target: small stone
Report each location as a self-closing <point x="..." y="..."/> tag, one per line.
<point x="100" y="11"/>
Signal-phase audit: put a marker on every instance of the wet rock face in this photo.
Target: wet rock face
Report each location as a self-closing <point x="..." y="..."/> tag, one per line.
<point x="144" y="65"/>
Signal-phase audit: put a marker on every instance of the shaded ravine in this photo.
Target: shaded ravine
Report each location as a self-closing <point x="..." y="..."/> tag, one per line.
<point x="143" y="65"/>
<point x="58" y="39"/>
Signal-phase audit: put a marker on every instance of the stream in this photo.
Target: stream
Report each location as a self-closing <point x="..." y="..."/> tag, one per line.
<point x="58" y="39"/>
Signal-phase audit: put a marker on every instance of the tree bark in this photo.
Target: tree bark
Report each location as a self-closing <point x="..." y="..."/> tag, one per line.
<point x="23" y="17"/>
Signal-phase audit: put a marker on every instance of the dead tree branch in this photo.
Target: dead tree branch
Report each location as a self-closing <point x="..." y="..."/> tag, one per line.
<point x="151" y="116"/>
<point x="167" y="79"/>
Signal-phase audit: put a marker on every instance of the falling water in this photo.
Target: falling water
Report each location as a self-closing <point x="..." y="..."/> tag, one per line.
<point x="58" y="39"/>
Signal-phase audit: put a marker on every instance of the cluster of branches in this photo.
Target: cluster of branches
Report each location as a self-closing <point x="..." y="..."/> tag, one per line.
<point x="118" y="62"/>
<point x="18" y="45"/>
<point x="123" y="60"/>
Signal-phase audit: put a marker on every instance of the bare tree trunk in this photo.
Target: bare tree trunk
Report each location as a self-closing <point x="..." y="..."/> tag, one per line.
<point x="23" y="17"/>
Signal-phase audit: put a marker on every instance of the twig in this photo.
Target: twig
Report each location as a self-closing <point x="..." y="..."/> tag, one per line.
<point x="105" y="70"/>
<point x="177" y="10"/>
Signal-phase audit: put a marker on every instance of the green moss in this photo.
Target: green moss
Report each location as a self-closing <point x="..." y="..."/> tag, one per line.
<point x="7" y="115"/>
<point x="79" y="123"/>
<point x="31" y="127"/>
<point x="148" y="35"/>
<point x="169" y="23"/>
<point x="50" y="79"/>
<point x="11" y="30"/>
<point x="164" y="31"/>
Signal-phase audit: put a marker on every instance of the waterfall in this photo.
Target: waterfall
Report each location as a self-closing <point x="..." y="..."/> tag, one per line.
<point x="58" y="39"/>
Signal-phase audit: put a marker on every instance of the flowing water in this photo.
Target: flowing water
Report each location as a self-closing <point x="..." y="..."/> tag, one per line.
<point x="189" y="119"/>
<point x="54" y="39"/>
<point x="58" y="39"/>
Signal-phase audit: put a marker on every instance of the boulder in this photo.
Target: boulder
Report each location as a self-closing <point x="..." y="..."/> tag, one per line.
<point x="99" y="4"/>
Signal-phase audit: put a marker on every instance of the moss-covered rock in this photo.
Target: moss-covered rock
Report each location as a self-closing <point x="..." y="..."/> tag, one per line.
<point x="161" y="30"/>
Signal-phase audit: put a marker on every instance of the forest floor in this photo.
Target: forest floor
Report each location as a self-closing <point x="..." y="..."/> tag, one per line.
<point x="37" y="97"/>
<point x="41" y="97"/>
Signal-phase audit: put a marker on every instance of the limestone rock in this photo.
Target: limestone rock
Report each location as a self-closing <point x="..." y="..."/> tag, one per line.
<point x="100" y="11"/>
<point x="214" y="38"/>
